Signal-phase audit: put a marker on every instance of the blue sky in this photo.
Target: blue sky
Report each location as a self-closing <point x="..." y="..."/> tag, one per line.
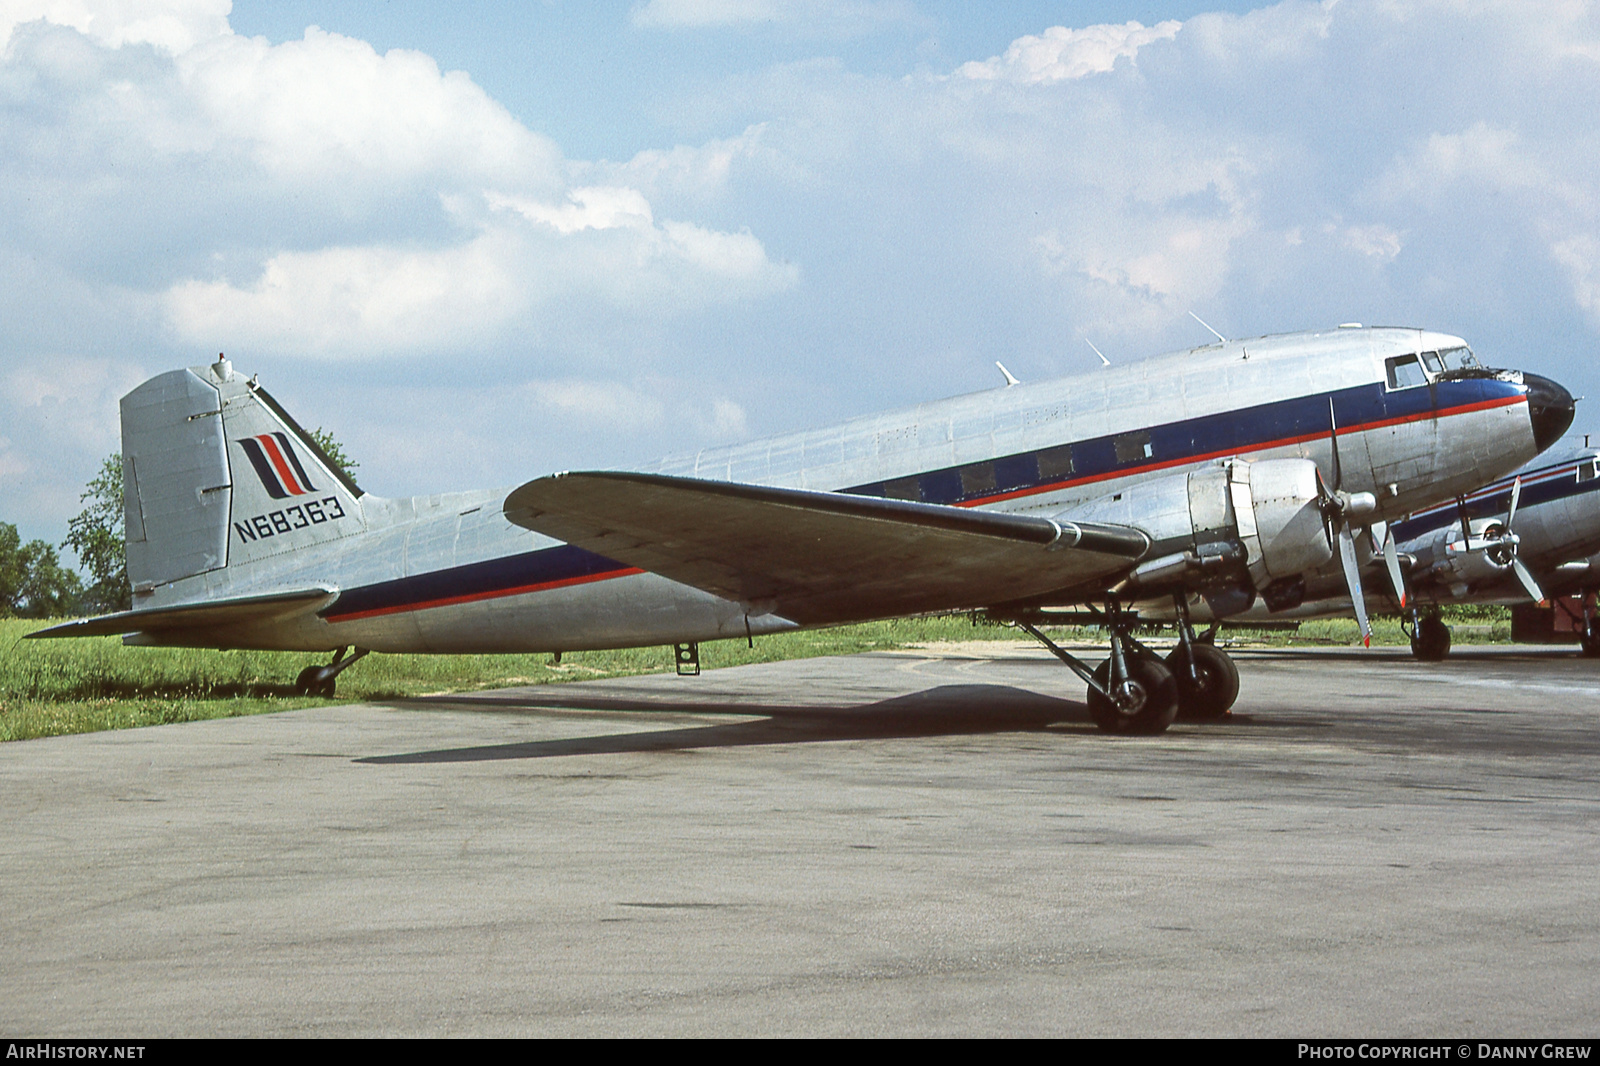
<point x="481" y="242"/>
<point x="603" y="86"/>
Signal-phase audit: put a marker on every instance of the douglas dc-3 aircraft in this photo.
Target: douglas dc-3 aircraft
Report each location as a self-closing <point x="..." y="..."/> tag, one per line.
<point x="1531" y="534"/>
<point x="1227" y="470"/>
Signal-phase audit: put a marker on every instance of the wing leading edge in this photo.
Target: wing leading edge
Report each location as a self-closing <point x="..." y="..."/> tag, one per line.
<point x="821" y="557"/>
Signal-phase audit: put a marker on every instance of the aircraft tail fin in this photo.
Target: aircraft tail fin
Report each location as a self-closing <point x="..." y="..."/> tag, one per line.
<point x="216" y="475"/>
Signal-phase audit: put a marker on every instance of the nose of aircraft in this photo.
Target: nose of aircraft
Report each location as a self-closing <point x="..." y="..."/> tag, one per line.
<point x="1550" y="406"/>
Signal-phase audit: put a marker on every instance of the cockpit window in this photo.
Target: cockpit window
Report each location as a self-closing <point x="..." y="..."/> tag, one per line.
<point x="1405" y="372"/>
<point x="1459" y="359"/>
<point x="1432" y="362"/>
<point x="1589" y="469"/>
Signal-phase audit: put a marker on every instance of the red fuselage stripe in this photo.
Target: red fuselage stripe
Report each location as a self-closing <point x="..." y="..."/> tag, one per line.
<point x="494" y="594"/>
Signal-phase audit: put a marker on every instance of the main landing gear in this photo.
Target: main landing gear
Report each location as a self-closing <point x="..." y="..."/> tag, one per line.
<point x="1134" y="691"/>
<point x="319" y="680"/>
<point x="1208" y="681"/>
<point x="1430" y="637"/>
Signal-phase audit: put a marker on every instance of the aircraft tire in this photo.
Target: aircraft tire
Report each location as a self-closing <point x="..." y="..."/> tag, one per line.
<point x="1209" y="696"/>
<point x="1431" y="641"/>
<point x="1590" y="641"/>
<point x="306" y="683"/>
<point x="1155" y="711"/>
<point x="312" y="683"/>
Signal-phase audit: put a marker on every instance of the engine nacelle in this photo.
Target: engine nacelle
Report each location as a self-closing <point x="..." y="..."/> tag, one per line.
<point x="1280" y="499"/>
<point x="1245" y="524"/>
<point x="1460" y="570"/>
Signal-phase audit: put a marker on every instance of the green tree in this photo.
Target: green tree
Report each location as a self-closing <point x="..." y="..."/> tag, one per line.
<point x="98" y="537"/>
<point x="33" y="584"/>
<point x="335" y="451"/>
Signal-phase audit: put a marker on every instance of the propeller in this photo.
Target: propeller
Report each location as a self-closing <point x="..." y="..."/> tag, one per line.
<point x="1338" y="509"/>
<point x="1499" y="543"/>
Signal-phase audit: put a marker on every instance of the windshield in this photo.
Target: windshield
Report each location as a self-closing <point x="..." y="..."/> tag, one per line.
<point x="1460" y="359"/>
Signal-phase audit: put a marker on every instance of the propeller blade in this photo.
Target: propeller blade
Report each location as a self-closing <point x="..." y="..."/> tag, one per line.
<point x="1528" y="582"/>
<point x="1328" y="505"/>
<point x="1516" y="494"/>
<point x="1391" y="560"/>
<point x="1333" y="440"/>
<point x="1466" y="526"/>
<point x="1352" y="579"/>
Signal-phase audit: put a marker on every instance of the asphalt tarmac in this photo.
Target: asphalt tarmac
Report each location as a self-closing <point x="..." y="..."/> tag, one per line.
<point x="896" y="844"/>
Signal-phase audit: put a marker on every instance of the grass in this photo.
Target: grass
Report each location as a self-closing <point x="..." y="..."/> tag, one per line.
<point x="94" y="683"/>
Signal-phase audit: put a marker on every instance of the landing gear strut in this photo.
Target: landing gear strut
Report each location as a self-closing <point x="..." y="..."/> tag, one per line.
<point x="1589" y="635"/>
<point x="1430" y="637"/>
<point x="1132" y="691"/>
<point x="319" y="680"/>
<point x="1208" y="681"/>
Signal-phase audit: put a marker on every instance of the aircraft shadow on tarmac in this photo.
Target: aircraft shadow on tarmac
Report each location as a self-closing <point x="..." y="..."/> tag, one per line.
<point x="949" y="710"/>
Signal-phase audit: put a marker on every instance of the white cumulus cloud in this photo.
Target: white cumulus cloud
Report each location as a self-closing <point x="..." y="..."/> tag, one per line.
<point x="172" y="25"/>
<point x="601" y="244"/>
<point x="1060" y="54"/>
<point x="328" y="107"/>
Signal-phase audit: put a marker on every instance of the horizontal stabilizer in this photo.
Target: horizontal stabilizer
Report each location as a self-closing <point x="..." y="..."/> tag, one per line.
<point x="230" y="612"/>
<point x="818" y="557"/>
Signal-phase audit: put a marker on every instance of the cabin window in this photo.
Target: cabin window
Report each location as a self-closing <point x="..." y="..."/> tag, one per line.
<point x="1015" y="472"/>
<point x="1405" y="372"/>
<point x="1055" y="462"/>
<point x="977" y="479"/>
<point x="940" y="486"/>
<point x="904" y="488"/>
<point x="1132" y="447"/>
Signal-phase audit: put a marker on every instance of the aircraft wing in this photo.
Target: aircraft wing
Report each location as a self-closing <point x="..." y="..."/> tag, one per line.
<point x="819" y="557"/>
<point x="195" y="615"/>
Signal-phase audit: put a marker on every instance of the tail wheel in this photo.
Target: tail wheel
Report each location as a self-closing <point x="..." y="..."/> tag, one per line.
<point x="1431" y="641"/>
<point x="1147" y="702"/>
<point x="312" y="683"/>
<point x="1215" y="685"/>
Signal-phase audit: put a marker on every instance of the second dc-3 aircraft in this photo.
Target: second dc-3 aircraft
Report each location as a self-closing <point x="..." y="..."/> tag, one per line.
<point x="1227" y="470"/>
<point x="1519" y="540"/>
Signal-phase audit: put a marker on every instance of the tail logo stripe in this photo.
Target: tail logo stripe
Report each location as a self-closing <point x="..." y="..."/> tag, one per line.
<point x="270" y="446"/>
<point x="273" y="460"/>
<point x="294" y="460"/>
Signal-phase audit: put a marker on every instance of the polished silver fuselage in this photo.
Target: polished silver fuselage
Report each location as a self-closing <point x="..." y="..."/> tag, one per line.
<point x="449" y="573"/>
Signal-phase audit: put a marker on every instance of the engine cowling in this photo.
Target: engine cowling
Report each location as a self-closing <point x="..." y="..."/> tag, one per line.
<point x="1280" y="498"/>
<point x="1242" y="524"/>
<point x="1441" y="557"/>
